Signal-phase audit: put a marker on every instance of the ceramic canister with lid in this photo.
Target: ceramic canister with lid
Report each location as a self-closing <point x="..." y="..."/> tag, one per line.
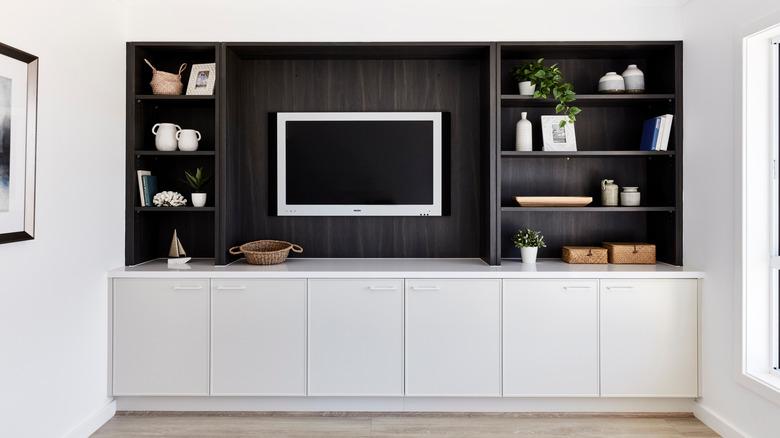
<point x="612" y="83"/>
<point x="629" y="196"/>
<point x="634" y="79"/>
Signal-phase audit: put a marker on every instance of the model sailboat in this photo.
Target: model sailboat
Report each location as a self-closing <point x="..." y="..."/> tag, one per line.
<point x="177" y="255"/>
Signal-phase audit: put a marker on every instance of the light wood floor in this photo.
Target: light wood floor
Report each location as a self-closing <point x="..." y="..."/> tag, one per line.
<point x="400" y="425"/>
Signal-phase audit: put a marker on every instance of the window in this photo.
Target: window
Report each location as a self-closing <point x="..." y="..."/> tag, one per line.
<point x="775" y="208"/>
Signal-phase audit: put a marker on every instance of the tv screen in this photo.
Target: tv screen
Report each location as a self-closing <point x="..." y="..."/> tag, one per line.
<point x="373" y="164"/>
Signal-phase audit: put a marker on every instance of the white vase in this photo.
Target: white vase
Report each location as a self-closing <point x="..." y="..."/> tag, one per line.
<point x="523" y="134"/>
<point x="612" y="83"/>
<point x="198" y="199"/>
<point x="165" y="136"/>
<point x="634" y="79"/>
<point x="528" y="254"/>
<point x="188" y="140"/>
<point x="527" y="88"/>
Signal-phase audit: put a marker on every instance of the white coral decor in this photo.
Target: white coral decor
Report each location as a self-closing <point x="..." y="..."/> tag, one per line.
<point x="169" y="199"/>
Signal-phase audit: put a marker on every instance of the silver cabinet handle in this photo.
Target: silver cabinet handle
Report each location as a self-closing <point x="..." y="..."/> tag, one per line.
<point x="382" y="288"/>
<point x="619" y="287"/>
<point x="577" y="287"/>
<point x="179" y="287"/>
<point x="426" y="288"/>
<point x="231" y="287"/>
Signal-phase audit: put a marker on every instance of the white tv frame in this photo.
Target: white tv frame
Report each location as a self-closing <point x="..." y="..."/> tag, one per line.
<point x="283" y="209"/>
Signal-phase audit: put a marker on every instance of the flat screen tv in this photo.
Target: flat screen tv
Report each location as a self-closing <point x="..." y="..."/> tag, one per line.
<point x="359" y="163"/>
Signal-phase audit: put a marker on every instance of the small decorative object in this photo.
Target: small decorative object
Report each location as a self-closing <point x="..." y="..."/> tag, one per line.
<point x="612" y="83"/>
<point x="202" y="79"/>
<point x="553" y="201"/>
<point x="557" y="135"/>
<point x="169" y="199"/>
<point x="18" y="115"/>
<point x="547" y="82"/>
<point x="165" y="135"/>
<point x="524" y="134"/>
<point x="631" y="253"/>
<point x="629" y="196"/>
<point x="609" y="193"/>
<point x="188" y="139"/>
<point x="197" y="182"/>
<point x="166" y="83"/>
<point x="529" y="242"/>
<point x="586" y="255"/>
<point x="266" y="252"/>
<point x="634" y="79"/>
<point x="176" y="253"/>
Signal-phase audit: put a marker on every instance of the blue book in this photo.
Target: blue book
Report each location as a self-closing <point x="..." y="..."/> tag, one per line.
<point x="150" y="189"/>
<point x="650" y="132"/>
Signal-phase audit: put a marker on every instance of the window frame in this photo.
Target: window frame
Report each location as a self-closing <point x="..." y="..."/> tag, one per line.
<point x="774" y="271"/>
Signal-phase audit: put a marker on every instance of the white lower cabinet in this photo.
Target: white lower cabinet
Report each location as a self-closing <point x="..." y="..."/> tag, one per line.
<point x="649" y="338"/>
<point x="550" y="338"/>
<point x="160" y="337"/>
<point x="453" y="338"/>
<point x="258" y="337"/>
<point x="356" y="337"/>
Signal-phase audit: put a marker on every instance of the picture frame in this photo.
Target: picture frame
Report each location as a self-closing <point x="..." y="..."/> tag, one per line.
<point x="202" y="79"/>
<point x="557" y="138"/>
<point x="18" y="124"/>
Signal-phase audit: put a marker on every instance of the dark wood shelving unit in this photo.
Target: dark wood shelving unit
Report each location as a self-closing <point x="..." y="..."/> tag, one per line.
<point x="199" y="153"/>
<point x="587" y="209"/>
<point x="598" y="154"/>
<point x="588" y="99"/>
<point x="174" y="209"/>
<point x="173" y="98"/>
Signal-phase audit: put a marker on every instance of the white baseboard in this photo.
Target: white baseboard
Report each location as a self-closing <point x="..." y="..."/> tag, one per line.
<point x="93" y="422"/>
<point x="717" y="423"/>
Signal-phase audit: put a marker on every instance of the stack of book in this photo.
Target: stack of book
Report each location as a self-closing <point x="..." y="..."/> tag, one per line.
<point x="147" y="187"/>
<point x="655" y="133"/>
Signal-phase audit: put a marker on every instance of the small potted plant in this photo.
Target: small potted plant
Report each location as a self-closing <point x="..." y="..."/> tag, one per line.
<point x="537" y="80"/>
<point x="197" y="182"/>
<point x="529" y="242"/>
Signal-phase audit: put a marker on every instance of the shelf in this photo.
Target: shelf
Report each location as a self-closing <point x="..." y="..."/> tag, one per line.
<point x="174" y="209"/>
<point x="172" y="98"/>
<point x="174" y="153"/>
<point x="587" y="99"/>
<point x="542" y="154"/>
<point x="586" y="209"/>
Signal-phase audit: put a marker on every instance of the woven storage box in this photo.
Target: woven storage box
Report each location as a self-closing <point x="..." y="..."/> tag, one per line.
<point x="266" y="252"/>
<point x="165" y="83"/>
<point x="585" y="255"/>
<point x="631" y="253"/>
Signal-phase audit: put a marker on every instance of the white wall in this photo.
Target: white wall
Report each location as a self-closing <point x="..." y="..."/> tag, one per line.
<point x="53" y="288"/>
<point x="712" y="54"/>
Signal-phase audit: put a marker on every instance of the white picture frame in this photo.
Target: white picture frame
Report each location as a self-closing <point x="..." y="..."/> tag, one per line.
<point x="557" y="138"/>
<point x="203" y="77"/>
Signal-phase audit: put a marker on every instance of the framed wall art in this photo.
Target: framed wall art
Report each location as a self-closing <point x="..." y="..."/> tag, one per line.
<point x="556" y="137"/>
<point x="18" y="117"/>
<point x="202" y="79"/>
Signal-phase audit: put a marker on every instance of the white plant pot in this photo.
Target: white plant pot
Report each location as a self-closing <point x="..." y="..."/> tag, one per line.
<point x="528" y="254"/>
<point x="527" y="88"/>
<point x="198" y="199"/>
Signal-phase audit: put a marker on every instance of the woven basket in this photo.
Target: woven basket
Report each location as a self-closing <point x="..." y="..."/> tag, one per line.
<point x="165" y="83"/>
<point x="586" y="255"/>
<point x="266" y="252"/>
<point x="631" y="253"/>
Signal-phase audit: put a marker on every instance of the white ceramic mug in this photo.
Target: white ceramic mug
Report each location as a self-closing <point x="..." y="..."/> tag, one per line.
<point x="165" y="136"/>
<point x="188" y="139"/>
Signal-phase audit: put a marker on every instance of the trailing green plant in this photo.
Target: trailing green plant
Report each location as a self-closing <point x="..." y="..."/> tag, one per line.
<point x="528" y="238"/>
<point x="549" y="82"/>
<point x="196" y="181"/>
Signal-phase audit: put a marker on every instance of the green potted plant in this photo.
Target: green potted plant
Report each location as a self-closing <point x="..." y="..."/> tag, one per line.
<point x="196" y="182"/>
<point x="540" y="81"/>
<point x="529" y="242"/>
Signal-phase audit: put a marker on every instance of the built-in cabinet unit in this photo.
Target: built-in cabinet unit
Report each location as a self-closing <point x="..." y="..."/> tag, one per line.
<point x="551" y="338"/>
<point x="258" y="337"/>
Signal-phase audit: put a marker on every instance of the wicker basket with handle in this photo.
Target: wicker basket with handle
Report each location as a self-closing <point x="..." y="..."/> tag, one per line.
<point x="165" y="83"/>
<point x="584" y="255"/>
<point x="631" y="253"/>
<point x="266" y="252"/>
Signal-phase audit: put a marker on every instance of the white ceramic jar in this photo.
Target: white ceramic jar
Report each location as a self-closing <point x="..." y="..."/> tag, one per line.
<point x="188" y="140"/>
<point x="165" y="136"/>
<point x="528" y="254"/>
<point x="609" y="193"/>
<point x="629" y="196"/>
<point x="524" y="134"/>
<point x="612" y="83"/>
<point x="199" y="199"/>
<point x="527" y="88"/>
<point x="634" y="79"/>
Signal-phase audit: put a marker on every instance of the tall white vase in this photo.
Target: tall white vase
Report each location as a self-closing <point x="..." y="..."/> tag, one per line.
<point x="523" y="134"/>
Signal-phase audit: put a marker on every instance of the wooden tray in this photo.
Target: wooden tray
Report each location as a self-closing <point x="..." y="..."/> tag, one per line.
<point x="553" y="201"/>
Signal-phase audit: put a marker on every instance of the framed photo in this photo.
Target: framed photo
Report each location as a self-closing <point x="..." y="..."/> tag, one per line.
<point x="557" y="138"/>
<point x="202" y="79"/>
<point x="18" y="118"/>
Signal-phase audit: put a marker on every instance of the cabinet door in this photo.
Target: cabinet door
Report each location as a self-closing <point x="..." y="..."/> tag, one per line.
<point x="258" y="343"/>
<point x="161" y="337"/>
<point x="356" y="337"/>
<point x="649" y="338"/>
<point x="550" y="338"/>
<point x="453" y="338"/>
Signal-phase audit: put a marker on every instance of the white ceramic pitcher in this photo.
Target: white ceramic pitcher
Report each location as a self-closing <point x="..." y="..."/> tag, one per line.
<point x="188" y="139"/>
<point x="165" y="136"/>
